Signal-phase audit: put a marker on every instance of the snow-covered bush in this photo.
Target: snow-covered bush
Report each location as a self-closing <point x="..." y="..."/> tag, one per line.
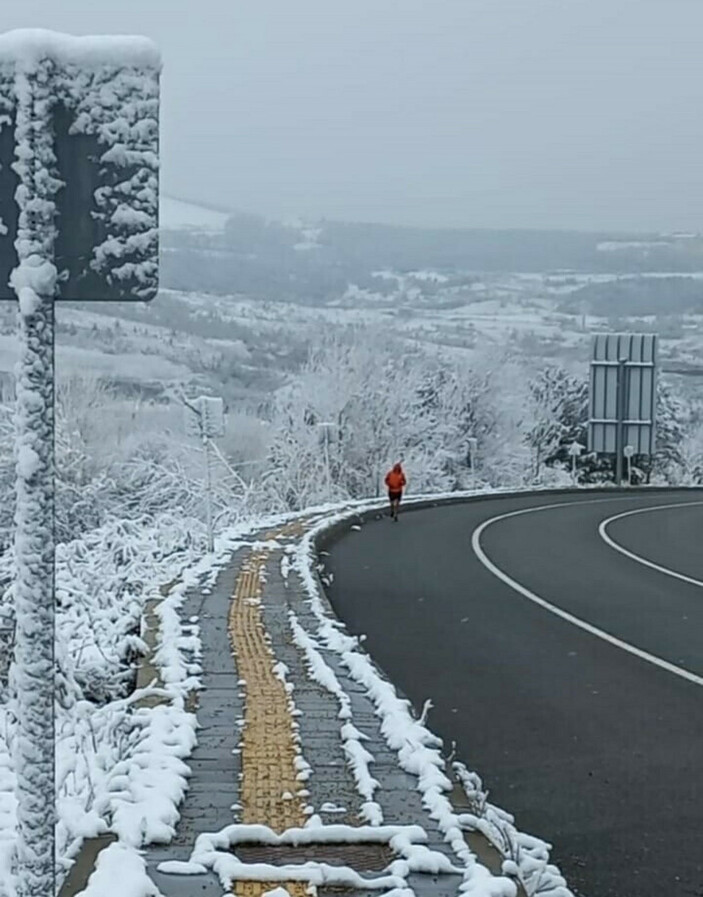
<point x="103" y="579"/>
<point x="364" y="400"/>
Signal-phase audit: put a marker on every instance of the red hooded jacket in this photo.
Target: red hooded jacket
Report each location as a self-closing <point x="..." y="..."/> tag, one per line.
<point x="395" y="479"/>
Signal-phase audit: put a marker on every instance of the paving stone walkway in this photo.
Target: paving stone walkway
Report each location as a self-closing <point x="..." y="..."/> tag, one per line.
<point x="263" y="719"/>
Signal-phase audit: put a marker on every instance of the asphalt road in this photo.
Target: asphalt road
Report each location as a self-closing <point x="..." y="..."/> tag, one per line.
<point x="593" y="748"/>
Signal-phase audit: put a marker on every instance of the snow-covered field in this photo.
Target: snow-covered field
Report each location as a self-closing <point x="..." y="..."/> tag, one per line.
<point x="175" y="214"/>
<point x="242" y="345"/>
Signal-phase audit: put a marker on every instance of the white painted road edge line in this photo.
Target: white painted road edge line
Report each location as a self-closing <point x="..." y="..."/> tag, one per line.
<point x="602" y="531"/>
<point x="557" y="611"/>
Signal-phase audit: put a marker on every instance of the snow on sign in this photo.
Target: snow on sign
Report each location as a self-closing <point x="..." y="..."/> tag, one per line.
<point x="623" y="393"/>
<point x="100" y="106"/>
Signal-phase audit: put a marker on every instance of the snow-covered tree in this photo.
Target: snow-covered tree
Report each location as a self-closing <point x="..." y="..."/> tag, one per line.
<point x="363" y="401"/>
<point x="558" y="415"/>
<point x="673" y="423"/>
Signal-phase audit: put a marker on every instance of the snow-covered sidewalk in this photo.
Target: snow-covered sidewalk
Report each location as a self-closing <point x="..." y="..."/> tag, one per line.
<point x="309" y="768"/>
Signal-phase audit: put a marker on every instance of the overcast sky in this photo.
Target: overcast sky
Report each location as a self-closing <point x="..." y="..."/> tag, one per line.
<point x="483" y="113"/>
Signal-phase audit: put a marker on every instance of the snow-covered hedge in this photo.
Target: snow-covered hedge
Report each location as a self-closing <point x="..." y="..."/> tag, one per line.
<point x="105" y="745"/>
<point x="364" y="400"/>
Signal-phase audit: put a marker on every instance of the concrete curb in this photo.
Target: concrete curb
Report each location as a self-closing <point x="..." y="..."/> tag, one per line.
<point x="330" y="535"/>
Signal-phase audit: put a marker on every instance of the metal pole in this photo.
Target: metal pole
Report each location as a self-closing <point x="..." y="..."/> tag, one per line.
<point x="33" y="683"/>
<point x="620" y="428"/>
<point x="473" y="444"/>
<point x="573" y="468"/>
<point x="327" y="464"/>
<point x="208" y="496"/>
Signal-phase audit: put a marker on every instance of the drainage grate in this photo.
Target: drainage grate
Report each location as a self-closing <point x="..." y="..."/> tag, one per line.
<point x="360" y="857"/>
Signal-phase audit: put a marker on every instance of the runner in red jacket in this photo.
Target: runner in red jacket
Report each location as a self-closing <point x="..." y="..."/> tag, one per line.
<point x="395" y="480"/>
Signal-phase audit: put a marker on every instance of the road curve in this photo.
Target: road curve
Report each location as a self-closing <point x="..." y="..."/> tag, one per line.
<point x="592" y="735"/>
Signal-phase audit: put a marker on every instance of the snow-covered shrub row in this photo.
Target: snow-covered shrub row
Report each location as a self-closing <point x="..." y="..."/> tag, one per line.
<point x="363" y="400"/>
<point x="107" y="750"/>
<point x="122" y="460"/>
<point x="102" y="581"/>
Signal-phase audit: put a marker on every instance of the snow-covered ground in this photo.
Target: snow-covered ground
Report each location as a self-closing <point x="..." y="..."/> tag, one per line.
<point x="120" y="760"/>
<point x="123" y="764"/>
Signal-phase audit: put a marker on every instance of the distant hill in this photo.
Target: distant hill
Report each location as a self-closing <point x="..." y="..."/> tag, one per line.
<point x="637" y="296"/>
<point x="175" y="214"/>
<point x="315" y="262"/>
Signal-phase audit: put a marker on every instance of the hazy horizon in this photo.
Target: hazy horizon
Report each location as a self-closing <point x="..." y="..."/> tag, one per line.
<point x="225" y="208"/>
<point x="496" y="114"/>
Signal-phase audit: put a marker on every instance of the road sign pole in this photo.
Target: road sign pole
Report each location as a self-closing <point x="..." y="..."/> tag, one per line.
<point x="473" y="445"/>
<point x="208" y="495"/>
<point x="327" y="465"/>
<point x="575" y="450"/>
<point x="629" y="451"/>
<point x="620" y="425"/>
<point x="33" y="672"/>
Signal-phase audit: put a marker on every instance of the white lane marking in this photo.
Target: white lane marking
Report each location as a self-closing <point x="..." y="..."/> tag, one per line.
<point x="602" y="530"/>
<point x="557" y="611"/>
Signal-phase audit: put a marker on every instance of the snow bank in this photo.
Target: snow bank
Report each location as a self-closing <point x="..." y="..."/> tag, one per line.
<point x="358" y="758"/>
<point x="217" y="851"/>
<point x="120" y="872"/>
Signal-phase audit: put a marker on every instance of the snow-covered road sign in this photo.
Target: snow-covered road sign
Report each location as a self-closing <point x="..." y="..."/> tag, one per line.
<point x="78" y="220"/>
<point x="623" y="393"/>
<point x="102" y="163"/>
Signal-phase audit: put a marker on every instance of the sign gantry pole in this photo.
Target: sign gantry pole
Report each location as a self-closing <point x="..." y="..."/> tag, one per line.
<point x="621" y="404"/>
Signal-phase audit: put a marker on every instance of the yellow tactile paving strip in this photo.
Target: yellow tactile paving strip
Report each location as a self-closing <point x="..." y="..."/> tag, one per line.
<point x="269" y="783"/>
